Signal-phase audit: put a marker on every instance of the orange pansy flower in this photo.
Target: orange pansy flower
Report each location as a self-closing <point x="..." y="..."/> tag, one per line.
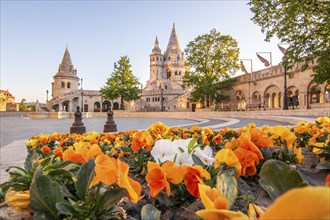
<point x="211" y="197"/>
<point x="58" y="151"/>
<point x="305" y="203"/>
<point x="246" y="143"/>
<point x="156" y="179"/>
<point x="142" y="139"/>
<point x="158" y="128"/>
<point x="248" y="160"/>
<point x="229" y="158"/>
<point x="193" y="177"/>
<point x="70" y="154"/>
<point x="45" y="150"/>
<point x="109" y="170"/>
<point x="217" y="139"/>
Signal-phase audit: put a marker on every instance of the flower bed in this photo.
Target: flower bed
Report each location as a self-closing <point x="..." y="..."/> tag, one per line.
<point x="170" y="173"/>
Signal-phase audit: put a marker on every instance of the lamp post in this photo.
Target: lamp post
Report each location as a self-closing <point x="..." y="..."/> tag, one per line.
<point x="285" y="99"/>
<point x="161" y="99"/>
<point x="82" y="96"/>
<point x="141" y="95"/>
<point x="46" y="95"/>
<point x="249" y="77"/>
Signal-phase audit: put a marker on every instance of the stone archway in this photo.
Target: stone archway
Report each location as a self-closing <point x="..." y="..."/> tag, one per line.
<point x="74" y="104"/>
<point x="272" y="97"/>
<point x="115" y="106"/>
<point x="256" y="97"/>
<point x="97" y="107"/>
<point x="240" y="100"/>
<point x="106" y="105"/>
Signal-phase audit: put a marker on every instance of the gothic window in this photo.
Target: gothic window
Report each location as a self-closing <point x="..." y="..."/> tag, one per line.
<point x="69" y="85"/>
<point x="178" y="58"/>
<point x="157" y="58"/>
<point x="165" y="86"/>
<point x="63" y="85"/>
<point x="179" y="72"/>
<point x="176" y="73"/>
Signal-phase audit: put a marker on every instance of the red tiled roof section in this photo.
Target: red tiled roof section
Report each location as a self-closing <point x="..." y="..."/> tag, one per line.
<point x="6" y="93"/>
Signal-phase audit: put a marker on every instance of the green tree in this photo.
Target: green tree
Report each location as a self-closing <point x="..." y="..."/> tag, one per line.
<point x="304" y="25"/>
<point x="22" y="106"/>
<point x="210" y="60"/>
<point x="122" y="83"/>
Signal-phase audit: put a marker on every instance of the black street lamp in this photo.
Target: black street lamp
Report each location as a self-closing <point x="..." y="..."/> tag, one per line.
<point x="161" y="99"/>
<point x="285" y="99"/>
<point x="82" y="96"/>
<point x="141" y="95"/>
<point x="46" y="95"/>
<point x="244" y="70"/>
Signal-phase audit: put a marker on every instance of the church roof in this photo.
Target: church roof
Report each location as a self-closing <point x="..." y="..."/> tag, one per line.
<point x="66" y="68"/>
<point x="156" y="48"/>
<point x="173" y="43"/>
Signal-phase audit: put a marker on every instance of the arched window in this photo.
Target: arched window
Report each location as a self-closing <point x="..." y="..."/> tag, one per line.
<point x="315" y="94"/>
<point x="68" y="85"/>
<point x="157" y="58"/>
<point x="63" y="85"/>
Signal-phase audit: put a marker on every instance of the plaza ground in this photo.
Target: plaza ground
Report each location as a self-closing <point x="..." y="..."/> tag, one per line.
<point x="16" y="129"/>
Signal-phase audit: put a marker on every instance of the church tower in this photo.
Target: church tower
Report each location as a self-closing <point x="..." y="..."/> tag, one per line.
<point x="66" y="79"/>
<point x="156" y="63"/>
<point x="166" y="75"/>
<point x="174" y="61"/>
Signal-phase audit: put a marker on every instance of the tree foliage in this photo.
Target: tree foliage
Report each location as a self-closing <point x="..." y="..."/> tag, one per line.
<point x="210" y="60"/>
<point x="122" y="83"/>
<point x="304" y="25"/>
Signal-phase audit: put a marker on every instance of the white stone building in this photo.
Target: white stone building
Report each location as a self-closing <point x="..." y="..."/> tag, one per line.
<point x="66" y="94"/>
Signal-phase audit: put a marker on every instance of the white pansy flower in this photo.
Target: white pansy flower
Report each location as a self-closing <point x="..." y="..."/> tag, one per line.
<point x="205" y="155"/>
<point x="163" y="150"/>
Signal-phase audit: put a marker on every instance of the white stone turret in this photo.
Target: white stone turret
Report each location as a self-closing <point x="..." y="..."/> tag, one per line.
<point x="66" y="79"/>
<point x="156" y="63"/>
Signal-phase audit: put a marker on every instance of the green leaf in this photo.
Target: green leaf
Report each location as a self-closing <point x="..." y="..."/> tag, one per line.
<point x="65" y="208"/>
<point x="110" y="198"/>
<point x="276" y="177"/>
<point x="191" y="145"/>
<point x="149" y="212"/>
<point x="31" y="159"/>
<point x="44" y="194"/>
<point x="197" y="160"/>
<point x="84" y="178"/>
<point x="227" y="185"/>
<point x="61" y="173"/>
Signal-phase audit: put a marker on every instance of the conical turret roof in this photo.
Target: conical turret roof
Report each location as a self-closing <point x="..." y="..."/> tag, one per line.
<point x="66" y="68"/>
<point x="156" y="48"/>
<point x="173" y="43"/>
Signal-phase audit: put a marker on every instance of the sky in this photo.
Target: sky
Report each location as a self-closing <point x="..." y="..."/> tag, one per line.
<point x="34" y="35"/>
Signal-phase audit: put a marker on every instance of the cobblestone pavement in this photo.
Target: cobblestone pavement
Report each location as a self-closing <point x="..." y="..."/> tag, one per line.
<point x="16" y="130"/>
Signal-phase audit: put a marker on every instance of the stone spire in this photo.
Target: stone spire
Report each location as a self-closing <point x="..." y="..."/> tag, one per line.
<point x="66" y="68"/>
<point x="173" y="43"/>
<point x="156" y="47"/>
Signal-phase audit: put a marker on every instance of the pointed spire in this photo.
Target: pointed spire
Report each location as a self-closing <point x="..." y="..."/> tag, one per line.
<point x="156" y="43"/>
<point x="173" y="43"/>
<point x="66" y="68"/>
<point x="156" y="48"/>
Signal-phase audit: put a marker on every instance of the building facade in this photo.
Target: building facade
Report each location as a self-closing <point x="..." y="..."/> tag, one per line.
<point x="66" y="94"/>
<point x="164" y="92"/>
<point x="7" y="101"/>
<point x="167" y="69"/>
